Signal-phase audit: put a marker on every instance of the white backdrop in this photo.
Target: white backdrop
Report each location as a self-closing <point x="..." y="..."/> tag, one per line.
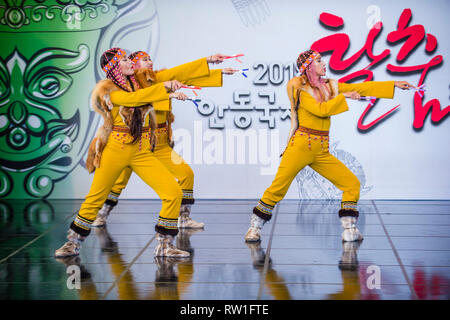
<point x="393" y="160"/>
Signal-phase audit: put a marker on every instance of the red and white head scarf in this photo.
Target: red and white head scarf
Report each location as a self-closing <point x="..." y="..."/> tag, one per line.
<point x="138" y="55"/>
<point x="305" y="66"/>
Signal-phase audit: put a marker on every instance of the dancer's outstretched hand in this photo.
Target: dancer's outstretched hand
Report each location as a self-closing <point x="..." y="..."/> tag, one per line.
<point x="352" y="95"/>
<point x="216" y="58"/>
<point x="229" y="71"/>
<point x="173" y="85"/>
<point x="404" y="85"/>
<point x="178" y="95"/>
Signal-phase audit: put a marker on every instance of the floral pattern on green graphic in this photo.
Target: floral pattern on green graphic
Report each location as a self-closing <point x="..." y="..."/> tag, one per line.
<point x="56" y="15"/>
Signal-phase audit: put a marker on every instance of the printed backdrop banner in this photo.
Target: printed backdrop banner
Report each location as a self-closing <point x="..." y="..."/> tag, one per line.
<point x="233" y="136"/>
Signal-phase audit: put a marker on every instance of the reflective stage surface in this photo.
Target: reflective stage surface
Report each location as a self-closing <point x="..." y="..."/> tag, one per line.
<point x="405" y="253"/>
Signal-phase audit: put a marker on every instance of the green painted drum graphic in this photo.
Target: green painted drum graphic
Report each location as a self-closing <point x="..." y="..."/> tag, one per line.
<point x="48" y="67"/>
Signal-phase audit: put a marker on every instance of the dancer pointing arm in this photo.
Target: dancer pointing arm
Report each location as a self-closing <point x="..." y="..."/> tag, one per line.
<point x="313" y="101"/>
<point x="195" y="73"/>
<point x="128" y="146"/>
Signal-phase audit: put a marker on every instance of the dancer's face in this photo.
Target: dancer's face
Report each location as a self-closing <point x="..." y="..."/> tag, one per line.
<point x="145" y="62"/>
<point x="126" y="67"/>
<point x="319" y="66"/>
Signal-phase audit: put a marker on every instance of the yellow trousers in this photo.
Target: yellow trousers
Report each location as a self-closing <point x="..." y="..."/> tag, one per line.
<point x="117" y="156"/>
<point x="307" y="149"/>
<point x="173" y="163"/>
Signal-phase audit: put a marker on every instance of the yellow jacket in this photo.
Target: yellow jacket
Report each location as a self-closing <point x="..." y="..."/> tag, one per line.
<point x="193" y="73"/>
<point x="315" y="115"/>
<point x="214" y="79"/>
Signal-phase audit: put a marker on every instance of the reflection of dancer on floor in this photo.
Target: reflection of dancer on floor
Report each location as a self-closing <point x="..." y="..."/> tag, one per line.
<point x="313" y="101"/>
<point x="126" y="288"/>
<point x="168" y="284"/>
<point x="88" y="289"/>
<point x="349" y="265"/>
<point x="128" y="145"/>
<point x="354" y="280"/>
<point x="274" y="282"/>
<point x="146" y="77"/>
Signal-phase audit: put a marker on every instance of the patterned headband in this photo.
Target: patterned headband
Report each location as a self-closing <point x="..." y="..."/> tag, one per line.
<point x="307" y="62"/>
<point x="139" y="55"/>
<point x="117" y="57"/>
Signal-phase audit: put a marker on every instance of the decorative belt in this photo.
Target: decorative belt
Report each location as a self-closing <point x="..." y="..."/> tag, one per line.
<point x="162" y="125"/>
<point x="127" y="130"/>
<point x="322" y="134"/>
<point x="312" y="131"/>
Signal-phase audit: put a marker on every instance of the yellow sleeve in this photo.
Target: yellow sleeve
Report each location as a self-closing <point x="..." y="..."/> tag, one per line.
<point x="139" y="97"/>
<point x="379" y="89"/>
<point x="163" y="105"/>
<point x="325" y="109"/>
<point x="213" y="80"/>
<point x="194" y="69"/>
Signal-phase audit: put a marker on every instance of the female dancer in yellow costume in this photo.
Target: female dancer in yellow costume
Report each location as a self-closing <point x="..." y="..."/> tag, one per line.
<point x="313" y="101"/>
<point x="129" y="146"/>
<point x="164" y="117"/>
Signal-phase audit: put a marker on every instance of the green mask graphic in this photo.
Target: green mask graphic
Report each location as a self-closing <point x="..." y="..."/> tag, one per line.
<point x="37" y="138"/>
<point x="49" y="64"/>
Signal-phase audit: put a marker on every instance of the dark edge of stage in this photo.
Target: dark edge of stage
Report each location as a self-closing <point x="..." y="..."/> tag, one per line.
<point x="225" y="309"/>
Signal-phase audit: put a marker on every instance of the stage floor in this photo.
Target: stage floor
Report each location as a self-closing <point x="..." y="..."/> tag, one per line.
<point x="301" y="256"/>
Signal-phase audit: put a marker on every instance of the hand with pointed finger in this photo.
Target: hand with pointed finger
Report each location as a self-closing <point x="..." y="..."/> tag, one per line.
<point x="352" y="95"/>
<point x="404" y="85"/>
<point x="216" y="58"/>
<point x="179" y="96"/>
<point x="172" y="85"/>
<point x="229" y="71"/>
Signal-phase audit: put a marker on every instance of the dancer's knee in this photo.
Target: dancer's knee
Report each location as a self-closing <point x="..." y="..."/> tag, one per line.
<point x="188" y="175"/>
<point x="175" y="194"/>
<point x="355" y="187"/>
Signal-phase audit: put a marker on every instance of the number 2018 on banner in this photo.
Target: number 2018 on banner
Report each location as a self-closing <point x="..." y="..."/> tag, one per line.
<point x="275" y="73"/>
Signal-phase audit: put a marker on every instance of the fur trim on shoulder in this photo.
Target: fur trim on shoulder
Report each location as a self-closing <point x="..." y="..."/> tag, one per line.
<point x="333" y="85"/>
<point x="297" y="84"/>
<point x="101" y="103"/>
<point x="145" y="77"/>
<point x="98" y="102"/>
<point x="292" y="90"/>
